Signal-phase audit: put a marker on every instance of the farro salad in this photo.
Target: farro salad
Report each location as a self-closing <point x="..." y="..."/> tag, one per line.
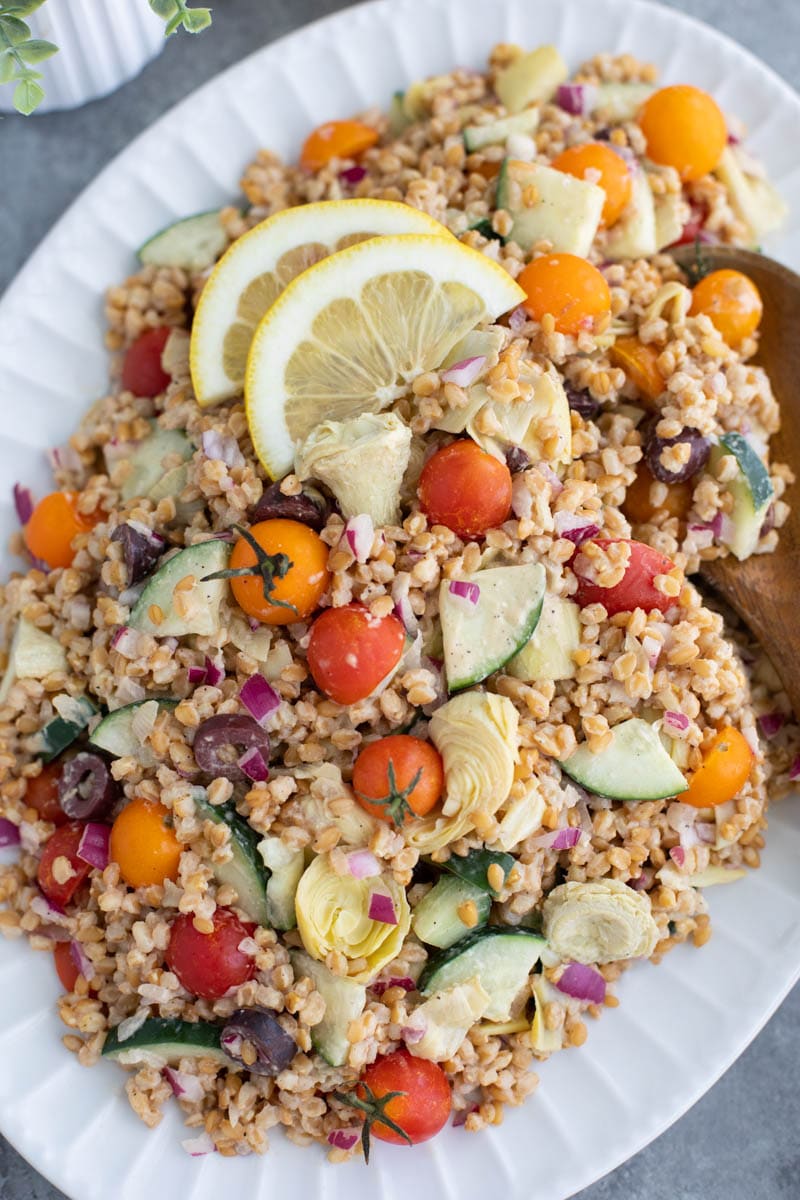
<point x="361" y="718"/>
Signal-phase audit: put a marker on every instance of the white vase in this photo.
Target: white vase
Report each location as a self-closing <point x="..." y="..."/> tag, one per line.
<point x="102" y="44"/>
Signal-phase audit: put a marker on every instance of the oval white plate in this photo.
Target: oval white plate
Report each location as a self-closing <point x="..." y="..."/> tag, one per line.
<point x="680" y="1025"/>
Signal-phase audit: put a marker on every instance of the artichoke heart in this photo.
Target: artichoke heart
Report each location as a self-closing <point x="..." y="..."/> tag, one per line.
<point x="601" y="921"/>
<point x="362" y="460"/>
<point x="446" y="1019"/>
<point x="476" y="735"/>
<point x="333" y="914"/>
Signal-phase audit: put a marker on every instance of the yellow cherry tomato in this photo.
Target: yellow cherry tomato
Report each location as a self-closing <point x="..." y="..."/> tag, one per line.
<point x="599" y="164"/>
<point x="53" y="524"/>
<point x="144" y="845"/>
<point x="731" y="301"/>
<point x="336" y="139"/>
<point x="685" y="129"/>
<point x="290" y="571"/>
<point x="726" y="765"/>
<point x="640" y="363"/>
<point x="568" y="288"/>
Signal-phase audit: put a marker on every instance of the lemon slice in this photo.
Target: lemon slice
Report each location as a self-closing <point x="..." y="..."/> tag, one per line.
<point x="351" y="332"/>
<point x="258" y="266"/>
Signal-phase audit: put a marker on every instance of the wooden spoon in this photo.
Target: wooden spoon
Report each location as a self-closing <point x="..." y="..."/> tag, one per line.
<point x="765" y="589"/>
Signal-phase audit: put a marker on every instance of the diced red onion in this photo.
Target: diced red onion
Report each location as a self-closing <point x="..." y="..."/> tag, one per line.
<point x="652" y="648"/>
<point x="750" y="735"/>
<point x="707" y="832"/>
<point x="215" y="672"/>
<point x="405" y="613"/>
<point x="126" y="641"/>
<point x="9" y="833"/>
<point x="771" y="724"/>
<point x="643" y="882"/>
<point x="558" y="839"/>
<point x="556" y="486"/>
<point x="715" y="526"/>
<point x="353" y="174"/>
<point x="222" y="447"/>
<point x="683" y="819"/>
<point x="65" y="458"/>
<point x="359" y="533"/>
<point x="185" y="1086"/>
<point x="465" y="372"/>
<point x="197" y="675"/>
<point x="253" y="764"/>
<point x="381" y="908"/>
<point x="583" y="983"/>
<point x="224" y="535"/>
<point x="576" y="529"/>
<point x="794" y="769"/>
<point x="343" y="1139"/>
<point x="676" y="720"/>
<point x="362" y="864"/>
<point x="578" y="99"/>
<point x="48" y="911"/>
<point x="23" y="503"/>
<point x="678" y="856"/>
<point x="411" y="1034"/>
<point x="383" y="985"/>
<point x="521" y="498"/>
<point x="703" y="536"/>
<point x="461" y="1116"/>
<point x="93" y="846"/>
<point x="518" y="319"/>
<point x="253" y="624"/>
<point x="197" y="1146"/>
<point x="259" y="698"/>
<point x="82" y="962"/>
<point x="470" y="592"/>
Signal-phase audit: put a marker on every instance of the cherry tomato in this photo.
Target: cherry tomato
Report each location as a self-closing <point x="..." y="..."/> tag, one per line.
<point x="466" y="489"/>
<point x="640" y="363"/>
<point x="144" y="845"/>
<point x="293" y="595"/>
<point x="636" y="589"/>
<point x="41" y="793"/>
<point x="208" y="964"/>
<point x="600" y="164"/>
<point x="639" y="508"/>
<point x="685" y="129"/>
<point x="61" y="872"/>
<point x="53" y="525"/>
<point x="425" y="1105"/>
<point x="350" y="651"/>
<point x="336" y="139"/>
<point x="731" y="301"/>
<point x="693" y="227"/>
<point x="397" y="777"/>
<point x="724" y="771"/>
<point x="142" y="372"/>
<point x="66" y="969"/>
<point x="569" y="288"/>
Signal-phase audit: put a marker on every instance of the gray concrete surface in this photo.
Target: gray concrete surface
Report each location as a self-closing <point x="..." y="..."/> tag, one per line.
<point x="738" y="1143"/>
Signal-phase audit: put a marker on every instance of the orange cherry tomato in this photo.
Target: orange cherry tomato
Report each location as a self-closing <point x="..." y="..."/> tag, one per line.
<point x="639" y="508"/>
<point x="685" y="129"/>
<point x="53" y="525"/>
<point x="725" y="769"/>
<point x="66" y="968"/>
<point x="422" y="1107"/>
<point x="61" y="872"/>
<point x="41" y="793"/>
<point x="294" y="594"/>
<point x="336" y="139"/>
<point x="350" y="652"/>
<point x="640" y="364"/>
<point x="569" y="288"/>
<point x="144" y="845"/>
<point x="731" y="301"/>
<point x="466" y="489"/>
<point x="397" y="777"/>
<point x="598" y="163"/>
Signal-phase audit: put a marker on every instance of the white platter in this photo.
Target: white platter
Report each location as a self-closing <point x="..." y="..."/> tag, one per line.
<point x="680" y="1025"/>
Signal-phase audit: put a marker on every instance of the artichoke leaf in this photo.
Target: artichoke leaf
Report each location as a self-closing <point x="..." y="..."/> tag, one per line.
<point x="446" y="1018"/>
<point x="599" y="921"/>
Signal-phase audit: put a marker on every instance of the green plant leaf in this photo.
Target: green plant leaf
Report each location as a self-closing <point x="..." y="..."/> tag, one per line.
<point x="164" y="8"/>
<point x="7" y="68"/>
<point x="197" y="19"/>
<point x="36" y="50"/>
<point x="13" y="30"/>
<point x="23" y="8"/>
<point x="28" y="95"/>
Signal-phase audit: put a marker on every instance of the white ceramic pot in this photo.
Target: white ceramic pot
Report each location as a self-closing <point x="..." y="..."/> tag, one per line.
<point x="102" y="44"/>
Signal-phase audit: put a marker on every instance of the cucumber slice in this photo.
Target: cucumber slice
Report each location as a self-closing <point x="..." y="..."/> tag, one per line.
<point x="33" y="654"/>
<point x="621" y="101"/>
<point x="634" y="234"/>
<point x="479" y="638"/>
<point x="399" y="119"/>
<point x="436" y="920"/>
<point x="484" y="227"/>
<point x="116" y="736"/>
<point x="201" y="601"/>
<point x="193" y="243"/>
<point x="752" y="493"/>
<point x="473" y="867"/>
<point x="501" y="958"/>
<point x="285" y="868"/>
<point x="534" y="76"/>
<point x="549" y="653"/>
<point x="634" y="767"/>
<point x="344" y="1002"/>
<point x="567" y="210"/>
<point x="245" y="871"/>
<point x="147" y="460"/>
<point x="61" y="732"/>
<point x="168" y="1038"/>
<point x="478" y="136"/>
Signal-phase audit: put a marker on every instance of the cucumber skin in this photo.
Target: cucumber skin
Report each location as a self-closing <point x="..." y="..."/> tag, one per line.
<point x="182" y="1039"/>
<point x="526" y="632"/>
<point x="436" y="915"/>
<point x="167" y="575"/>
<point x="111" y="719"/>
<point x="148" y="252"/>
<point x="246" y="840"/>
<point x="472" y="867"/>
<point x="752" y="468"/>
<point x="59" y="733"/>
<point x="437" y="961"/>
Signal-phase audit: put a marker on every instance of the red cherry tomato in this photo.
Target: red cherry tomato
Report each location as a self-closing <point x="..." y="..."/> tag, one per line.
<point x="426" y="1103"/>
<point x="142" y="372"/>
<point x="207" y="964"/>
<point x="42" y="794"/>
<point x="61" y="872"/>
<point x="466" y="489"/>
<point x="350" y="651"/>
<point x="65" y="966"/>
<point x="636" y="588"/>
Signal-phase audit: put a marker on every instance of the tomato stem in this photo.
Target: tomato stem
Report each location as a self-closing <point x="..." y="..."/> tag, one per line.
<point x="268" y="567"/>
<point x="396" y="802"/>
<point x="373" y="1107"/>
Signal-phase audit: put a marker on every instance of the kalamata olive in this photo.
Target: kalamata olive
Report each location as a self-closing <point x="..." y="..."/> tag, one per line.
<point x="769" y="521"/>
<point x="141" y="549"/>
<point x="699" y="450"/>
<point x="226" y="732"/>
<point x="86" y="788"/>
<point x="517" y="459"/>
<point x="309" y="506"/>
<point x="582" y="402"/>
<point x="273" y="1046"/>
